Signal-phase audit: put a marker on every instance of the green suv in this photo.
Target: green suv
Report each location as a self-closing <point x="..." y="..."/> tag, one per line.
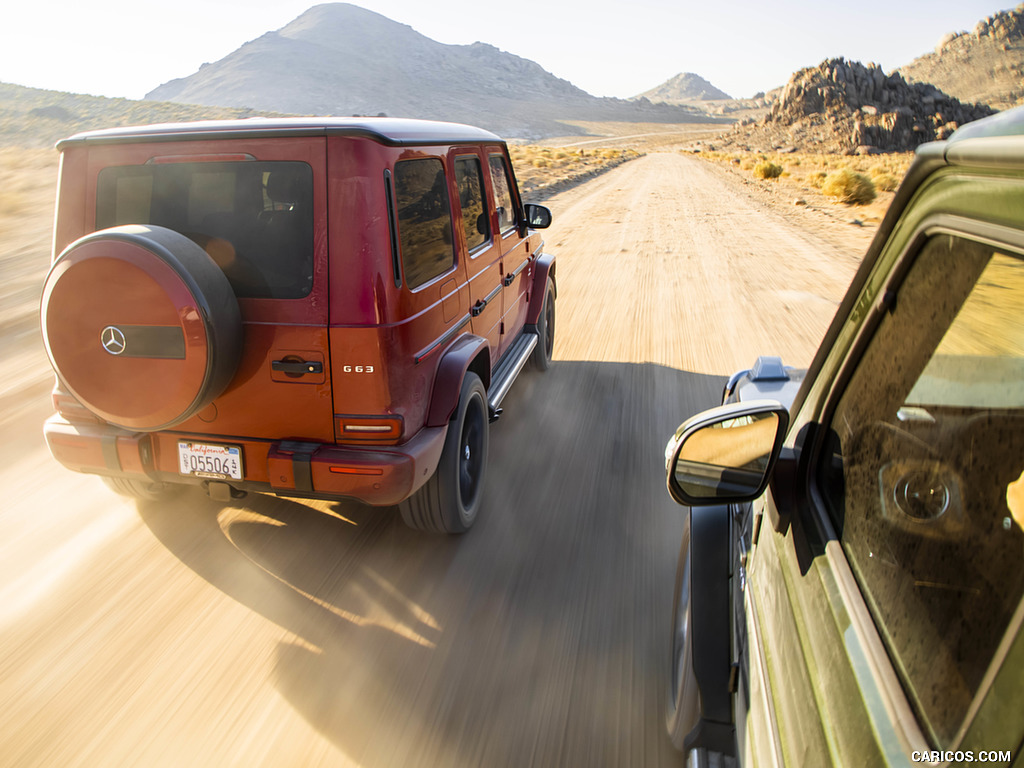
<point x="850" y="583"/>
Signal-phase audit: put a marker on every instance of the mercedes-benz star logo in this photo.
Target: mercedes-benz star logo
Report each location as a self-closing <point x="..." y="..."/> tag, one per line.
<point x="112" y="339"/>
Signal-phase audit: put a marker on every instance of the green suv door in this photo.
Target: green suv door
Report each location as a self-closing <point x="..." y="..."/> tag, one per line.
<point x="875" y="589"/>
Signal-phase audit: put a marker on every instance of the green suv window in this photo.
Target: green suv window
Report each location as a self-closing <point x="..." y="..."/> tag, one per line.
<point x="925" y="470"/>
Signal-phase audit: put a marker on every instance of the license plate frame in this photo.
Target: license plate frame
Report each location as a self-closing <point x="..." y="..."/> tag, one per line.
<point x="213" y="461"/>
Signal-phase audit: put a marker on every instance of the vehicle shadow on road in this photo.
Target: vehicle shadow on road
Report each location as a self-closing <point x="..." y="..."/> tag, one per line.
<point x="283" y="558"/>
<point x="539" y="638"/>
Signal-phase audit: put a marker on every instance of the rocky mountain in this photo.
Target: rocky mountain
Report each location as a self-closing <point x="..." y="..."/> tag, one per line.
<point x="842" y="106"/>
<point x="684" y="87"/>
<point x="985" y="65"/>
<point x="33" y="117"/>
<point x="339" y="59"/>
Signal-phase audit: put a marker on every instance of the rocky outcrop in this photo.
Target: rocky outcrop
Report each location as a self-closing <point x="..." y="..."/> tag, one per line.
<point x="866" y="110"/>
<point x="985" y="65"/>
<point x="1002" y="27"/>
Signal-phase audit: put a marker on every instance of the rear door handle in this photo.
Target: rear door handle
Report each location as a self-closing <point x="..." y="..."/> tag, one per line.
<point x="300" y="367"/>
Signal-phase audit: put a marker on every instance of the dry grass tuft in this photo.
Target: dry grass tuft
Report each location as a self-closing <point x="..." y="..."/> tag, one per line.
<point x="849" y="187"/>
<point x="883" y="178"/>
<point x="767" y="170"/>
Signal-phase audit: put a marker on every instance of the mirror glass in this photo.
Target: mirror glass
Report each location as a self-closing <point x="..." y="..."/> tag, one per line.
<point x="728" y="459"/>
<point x="537" y="216"/>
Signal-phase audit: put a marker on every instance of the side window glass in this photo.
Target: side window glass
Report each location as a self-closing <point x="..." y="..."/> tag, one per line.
<point x="424" y="219"/>
<point x="502" y="194"/>
<point x="924" y="475"/>
<point x="475" y="223"/>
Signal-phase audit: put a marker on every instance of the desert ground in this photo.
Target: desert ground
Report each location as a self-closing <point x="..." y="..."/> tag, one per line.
<point x="277" y="632"/>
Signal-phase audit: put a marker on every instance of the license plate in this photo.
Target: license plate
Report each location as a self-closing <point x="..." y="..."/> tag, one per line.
<point x="221" y="462"/>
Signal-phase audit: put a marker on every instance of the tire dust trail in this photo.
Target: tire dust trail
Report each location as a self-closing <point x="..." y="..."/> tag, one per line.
<point x="280" y="632"/>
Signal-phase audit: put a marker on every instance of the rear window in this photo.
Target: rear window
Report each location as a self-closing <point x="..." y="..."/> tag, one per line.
<point x="254" y="219"/>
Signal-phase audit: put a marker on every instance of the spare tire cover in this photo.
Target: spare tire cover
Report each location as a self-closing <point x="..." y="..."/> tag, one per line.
<point x="141" y="325"/>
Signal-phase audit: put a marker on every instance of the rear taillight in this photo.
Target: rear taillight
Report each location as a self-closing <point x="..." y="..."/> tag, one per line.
<point x="70" y="409"/>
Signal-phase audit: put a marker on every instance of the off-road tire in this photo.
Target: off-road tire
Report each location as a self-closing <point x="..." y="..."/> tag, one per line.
<point x="698" y="711"/>
<point x="450" y="500"/>
<point x="541" y="357"/>
<point x="683" y="709"/>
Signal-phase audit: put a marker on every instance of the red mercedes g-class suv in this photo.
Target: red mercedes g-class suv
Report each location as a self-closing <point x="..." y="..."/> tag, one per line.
<point x="312" y="307"/>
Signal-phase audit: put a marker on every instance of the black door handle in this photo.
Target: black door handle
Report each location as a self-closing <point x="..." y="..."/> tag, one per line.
<point x="300" y="367"/>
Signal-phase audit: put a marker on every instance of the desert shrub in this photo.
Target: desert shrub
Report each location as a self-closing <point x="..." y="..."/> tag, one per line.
<point x="849" y="186"/>
<point x="883" y="179"/>
<point x="541" y="162"/>
<point x="747" y="164"/>
<point x="767" y="170"/>
<point x="817" y="178"/>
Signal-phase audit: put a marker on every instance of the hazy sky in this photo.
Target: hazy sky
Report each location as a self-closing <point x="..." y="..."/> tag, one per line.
<point x="128" y="47"/>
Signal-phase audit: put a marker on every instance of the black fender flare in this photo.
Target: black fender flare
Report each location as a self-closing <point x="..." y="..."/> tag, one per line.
<point x="544" y="270"/>
<point x="710" y="572"/>
<point x="466" y="352"/>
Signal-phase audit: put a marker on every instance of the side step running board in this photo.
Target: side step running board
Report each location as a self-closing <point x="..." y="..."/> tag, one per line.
<point x="508" y="368"/>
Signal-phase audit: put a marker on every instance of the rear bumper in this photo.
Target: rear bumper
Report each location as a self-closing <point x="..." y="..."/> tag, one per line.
<point x="376" y="475"/>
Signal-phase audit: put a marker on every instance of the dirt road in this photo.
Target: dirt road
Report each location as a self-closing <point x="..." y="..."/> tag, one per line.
<point x="285" y="633"/>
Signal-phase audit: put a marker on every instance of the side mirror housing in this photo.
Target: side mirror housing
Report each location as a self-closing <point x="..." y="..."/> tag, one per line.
<point x="725" y="455"/>
<point x="537" y="216"/>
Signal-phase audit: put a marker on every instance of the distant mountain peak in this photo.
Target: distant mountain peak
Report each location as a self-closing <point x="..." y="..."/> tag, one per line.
<point x="686" y="86"/>
<point x="338" y="25"/>
<point x="337" y="13"/>
<point x="340" y="59"/>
